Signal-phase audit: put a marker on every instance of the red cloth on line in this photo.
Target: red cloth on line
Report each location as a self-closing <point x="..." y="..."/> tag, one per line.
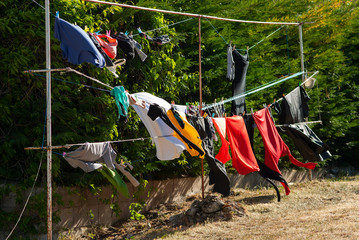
<point x="274" y="146"/>
<point x="243" y="159"/>
<point x="220" y="125"/>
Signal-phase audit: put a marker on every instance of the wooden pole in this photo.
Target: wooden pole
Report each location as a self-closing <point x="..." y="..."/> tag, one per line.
<point x="200" y="90"/>
<point x="301" y="49"/>
<point x="48" y="120"/>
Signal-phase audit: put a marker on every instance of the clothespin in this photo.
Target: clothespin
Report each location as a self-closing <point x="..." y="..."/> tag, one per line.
<point x="244" y="112"/>
<point x="126" y="33"/>
<point x="139" y="30"/>
<point x="98" y="32"/>
<point x="252" y="110"/>
<point x="108" y="33"/>
<point x="57" y="14"/>
<point x="247" y="48"/>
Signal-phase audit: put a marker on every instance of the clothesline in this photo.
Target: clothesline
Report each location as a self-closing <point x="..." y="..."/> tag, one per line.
<point x="170" y="25"/>
<point x="254" y="90"/>
<point x="80" y="144"/>
<point x="249" y="47"/>
<point x="68" y="69"/>
<point x="300" y="123"/>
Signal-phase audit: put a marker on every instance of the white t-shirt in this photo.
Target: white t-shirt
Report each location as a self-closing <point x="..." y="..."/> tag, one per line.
<point x="168" y="148"/>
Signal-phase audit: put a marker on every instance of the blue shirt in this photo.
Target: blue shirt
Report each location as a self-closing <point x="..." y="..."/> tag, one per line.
<point x="76" y="45"/>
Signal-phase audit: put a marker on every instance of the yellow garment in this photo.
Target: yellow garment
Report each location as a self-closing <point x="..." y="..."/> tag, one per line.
<point x="188" y="131"/>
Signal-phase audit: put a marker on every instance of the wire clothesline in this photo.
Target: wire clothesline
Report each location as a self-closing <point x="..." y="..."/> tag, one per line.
<point x="299" y="123"/>
<point x="252" y="45"/>
<point x="80" y="144"/>
<point x="169" y="25"/>
<point x="254" y="90"/>
<point x="315" y="73"/>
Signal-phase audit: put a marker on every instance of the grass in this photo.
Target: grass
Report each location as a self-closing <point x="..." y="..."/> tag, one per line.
<point x="320" y="209"/>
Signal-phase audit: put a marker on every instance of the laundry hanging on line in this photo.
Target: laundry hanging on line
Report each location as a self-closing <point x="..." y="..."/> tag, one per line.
<point x="76" y="45"/>
<point x="218" y="175"/>
<point x="243" y="159"/>
<point x="294" y="109"/>
<point x="122" y="101"/>
<point x="241" y="63"/>
<point x="167" y="148"/>
<point x="93" y="156"/>
<point x="264" y="171"/>
<point x="182" y="129"/>
<point x="160" y="40"/>
<point x="274" y="146"/>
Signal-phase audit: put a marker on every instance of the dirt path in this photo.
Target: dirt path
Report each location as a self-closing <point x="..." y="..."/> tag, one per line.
<point x="313" y="210"/>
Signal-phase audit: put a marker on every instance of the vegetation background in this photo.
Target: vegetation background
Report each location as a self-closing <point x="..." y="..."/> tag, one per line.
<point x="171" y="72"/>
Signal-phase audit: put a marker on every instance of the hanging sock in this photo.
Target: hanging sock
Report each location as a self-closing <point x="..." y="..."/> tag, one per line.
<point x="243" y="159"/>
<point x="122" y="101"/>
<point x="230" y="64"/>
<point x="223" y="153"/>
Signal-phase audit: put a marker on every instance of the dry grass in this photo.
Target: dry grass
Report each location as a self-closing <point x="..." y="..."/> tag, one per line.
<point x="313" y="210"/>
<point x="320" y="209"/>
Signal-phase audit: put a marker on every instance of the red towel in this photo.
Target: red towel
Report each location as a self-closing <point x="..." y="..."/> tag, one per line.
<point x="274" y="146"/>
<point x="243" y="159"/>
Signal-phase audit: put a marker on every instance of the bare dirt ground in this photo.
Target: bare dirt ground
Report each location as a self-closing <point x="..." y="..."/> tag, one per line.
<point x="320" y="209"/>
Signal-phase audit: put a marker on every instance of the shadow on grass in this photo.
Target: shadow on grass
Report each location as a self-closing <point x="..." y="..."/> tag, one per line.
<point x="258" y="199"/>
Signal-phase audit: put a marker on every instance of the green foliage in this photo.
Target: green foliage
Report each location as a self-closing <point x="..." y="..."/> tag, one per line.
<point x="135" y="209"/>
<point x="81" y="114"/>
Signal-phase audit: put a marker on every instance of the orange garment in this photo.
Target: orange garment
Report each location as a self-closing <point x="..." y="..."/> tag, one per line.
<point x="220" y="125"/>
<point x="243" y="159"/>
<point x="187" y="130"/>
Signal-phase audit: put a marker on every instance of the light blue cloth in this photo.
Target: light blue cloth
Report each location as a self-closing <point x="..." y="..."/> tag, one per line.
<point x="76" y="45"/>
<point x="121" y="100"/>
